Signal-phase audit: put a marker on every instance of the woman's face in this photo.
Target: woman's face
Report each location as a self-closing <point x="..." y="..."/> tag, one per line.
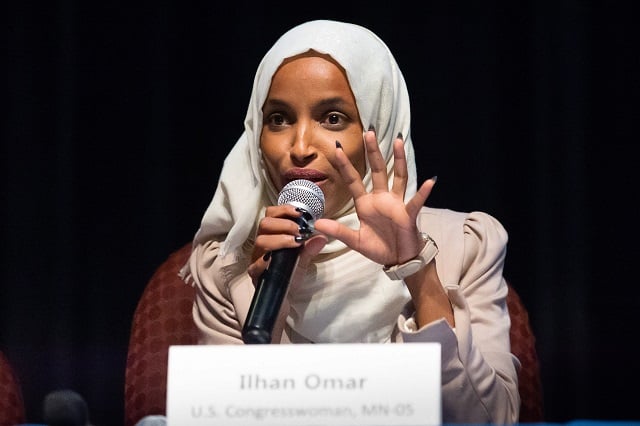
<point x="309" y="107"/>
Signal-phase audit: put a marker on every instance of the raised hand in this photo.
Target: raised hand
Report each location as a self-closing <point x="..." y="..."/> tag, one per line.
<point x="388" y="233"/>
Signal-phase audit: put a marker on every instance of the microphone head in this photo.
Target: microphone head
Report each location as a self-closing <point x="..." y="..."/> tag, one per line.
<point x="304" y="194"/>
<point x="65" y="408"/>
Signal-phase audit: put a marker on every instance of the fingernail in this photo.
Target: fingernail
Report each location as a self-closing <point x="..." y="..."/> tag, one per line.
<point x="434" y="178"/>
<point x="298" y="239"/>
<point x="266" y="256"/>
<point x="371" y="128"/>
<point x="400" y="136"/>
<point x="338" y="145"/>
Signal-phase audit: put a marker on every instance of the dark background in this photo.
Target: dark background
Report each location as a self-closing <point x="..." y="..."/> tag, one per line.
<point x="118" y="116"/>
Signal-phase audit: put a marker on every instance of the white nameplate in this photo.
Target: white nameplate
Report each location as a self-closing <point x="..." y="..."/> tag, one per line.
<point x="304" y="385"/>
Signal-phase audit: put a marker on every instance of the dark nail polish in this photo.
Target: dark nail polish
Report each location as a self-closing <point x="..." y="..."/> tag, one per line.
<point x="371" y="128"/>
<point x="338" y="145"/>
<point x="400" y="136"/>
<point x="434" y="178"/>
<point x="266" y="256"/>
<point x="298" y="239"/>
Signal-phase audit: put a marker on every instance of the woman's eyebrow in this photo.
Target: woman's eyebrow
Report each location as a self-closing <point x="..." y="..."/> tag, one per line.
<point x="335" y="101"/>
<point x="271" y="102"/>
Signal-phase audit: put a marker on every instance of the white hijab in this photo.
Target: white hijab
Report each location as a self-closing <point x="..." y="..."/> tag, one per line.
<point x="347" y="298"/>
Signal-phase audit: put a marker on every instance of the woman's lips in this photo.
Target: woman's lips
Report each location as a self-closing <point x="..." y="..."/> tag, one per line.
<point x="308" y="174"/>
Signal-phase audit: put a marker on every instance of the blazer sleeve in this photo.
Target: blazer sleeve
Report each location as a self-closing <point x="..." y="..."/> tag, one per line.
<point x="479" y="372"/>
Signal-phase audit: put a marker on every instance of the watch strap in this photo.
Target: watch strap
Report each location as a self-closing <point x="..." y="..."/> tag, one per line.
<point x="410" y="267"/>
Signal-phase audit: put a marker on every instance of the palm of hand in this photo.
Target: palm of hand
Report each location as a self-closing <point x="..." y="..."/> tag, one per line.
<point x="387" y="233"/>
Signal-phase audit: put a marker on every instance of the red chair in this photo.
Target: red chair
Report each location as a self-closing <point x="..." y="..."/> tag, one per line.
<point x="163" y="318"/>
<point x="11" y="402"/>
<point x="523" y="346"/>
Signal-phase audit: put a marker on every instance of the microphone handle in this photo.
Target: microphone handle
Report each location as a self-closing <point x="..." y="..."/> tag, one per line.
<point x="267" y="300"/>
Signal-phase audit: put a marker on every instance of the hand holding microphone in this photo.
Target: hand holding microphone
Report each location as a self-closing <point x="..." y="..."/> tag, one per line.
<point x="273" y="284"/>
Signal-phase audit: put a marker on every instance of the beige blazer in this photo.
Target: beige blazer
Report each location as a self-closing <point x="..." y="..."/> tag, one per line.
<point x="479" y="373"/>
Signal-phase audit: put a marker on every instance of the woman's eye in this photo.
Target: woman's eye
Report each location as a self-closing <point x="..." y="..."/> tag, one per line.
<point x="276" y="119"/>
<point x="335" y="119"/>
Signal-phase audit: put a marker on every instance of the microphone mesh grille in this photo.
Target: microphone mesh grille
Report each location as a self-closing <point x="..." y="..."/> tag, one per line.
<point x="304" y="194"/>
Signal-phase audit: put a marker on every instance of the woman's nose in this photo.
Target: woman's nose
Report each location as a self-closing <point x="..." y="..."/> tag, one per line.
<point x="303" y="150"/>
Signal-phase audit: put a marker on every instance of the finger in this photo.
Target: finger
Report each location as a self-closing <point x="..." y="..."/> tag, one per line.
<point x="378" y="166"/>
<point x="265" y="243"/>
<point x="257" y="267"/>
<point x="334" y="229"/>
<point x="277" y="225"/>
<point x="400" y="174"/>
<point x="284" y="210"/>
<point x="274" y="233"/>
<point x="418" y="200"/>
<point x="349" y="174"/>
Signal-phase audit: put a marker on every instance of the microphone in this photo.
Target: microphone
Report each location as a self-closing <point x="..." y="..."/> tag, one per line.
<point x="65" y="408"/>
<point x="274" y="281"/>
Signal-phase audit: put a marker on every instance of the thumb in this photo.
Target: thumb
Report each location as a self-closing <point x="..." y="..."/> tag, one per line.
<point x="311" y="249"/>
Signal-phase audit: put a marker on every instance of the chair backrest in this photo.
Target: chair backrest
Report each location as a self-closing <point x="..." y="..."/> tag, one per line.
<point x="523" y="346"/>
<point x="163" y="318"/>
<point x="11" y="402"/>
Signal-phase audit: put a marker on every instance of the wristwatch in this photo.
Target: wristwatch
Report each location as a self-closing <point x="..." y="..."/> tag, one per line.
<point x="426" y="255"/>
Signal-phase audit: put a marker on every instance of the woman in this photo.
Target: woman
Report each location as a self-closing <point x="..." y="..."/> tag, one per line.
<point x="329" y="104"/>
